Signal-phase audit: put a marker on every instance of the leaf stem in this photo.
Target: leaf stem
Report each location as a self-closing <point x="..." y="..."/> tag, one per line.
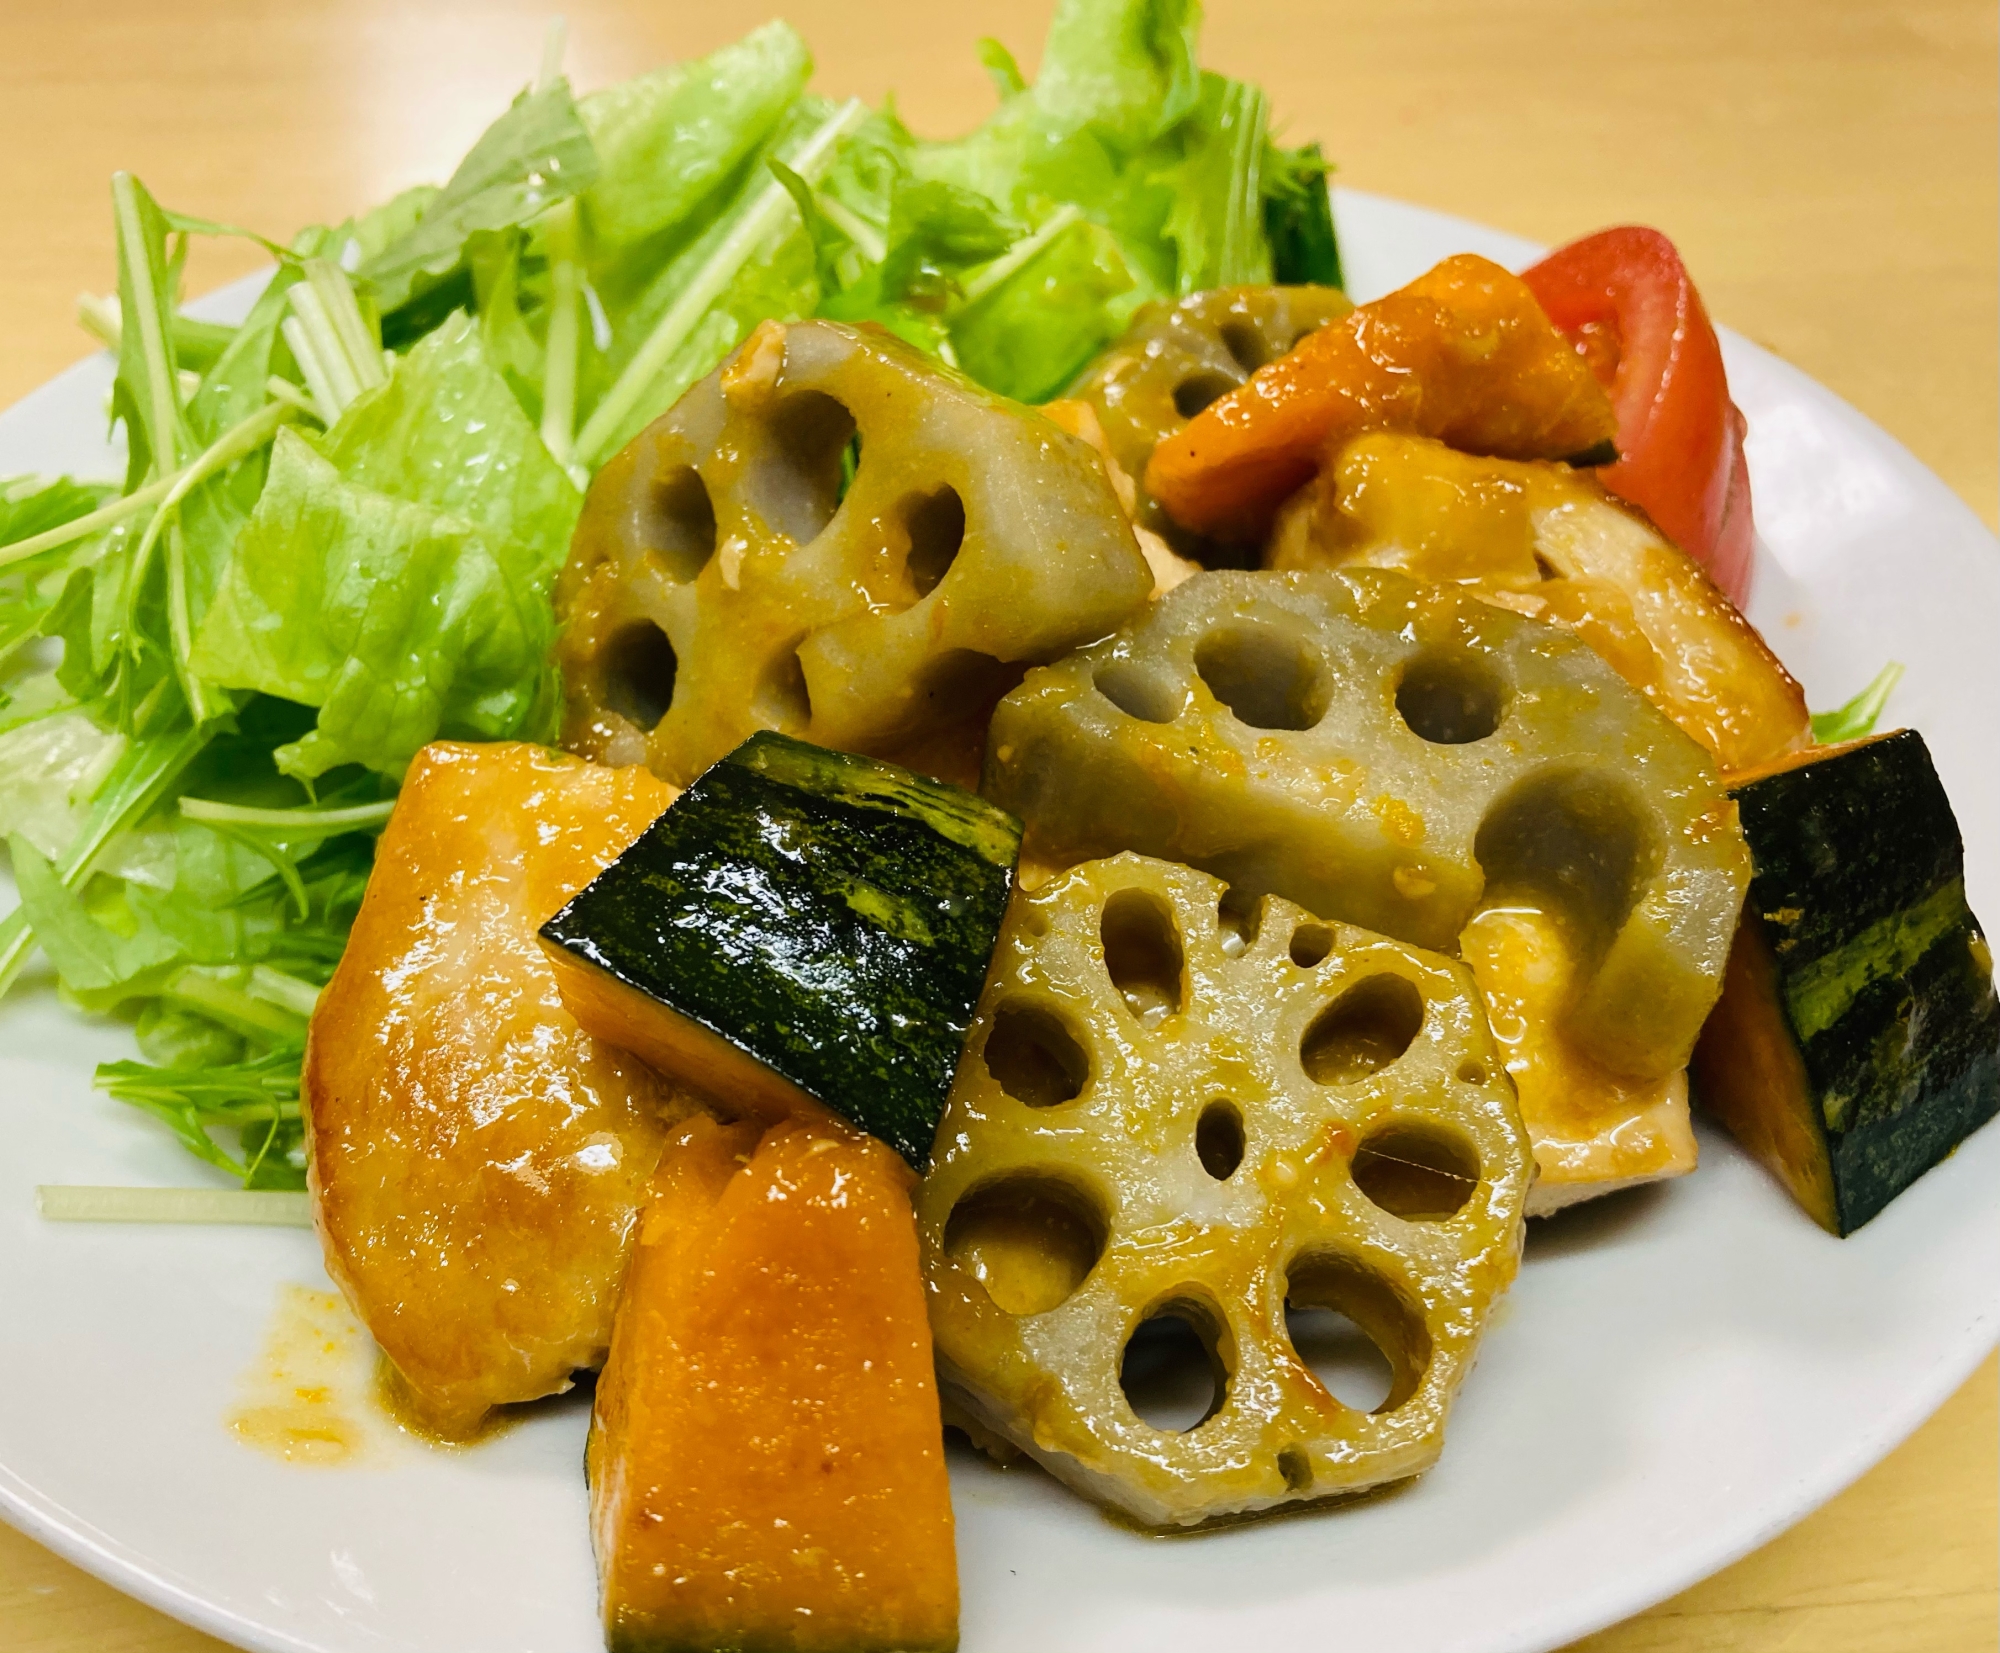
<point x="97" y="315"/>
<point x="240" y="1007"/>
<point x="555" y="41"/>
<point x="867" y="239"/>
<point x="283" y="390"/>
<point x="565" y="336"/>
<point x="1004" y="267"/>
<point x="319" y="382"/>
<point x="292" y="823"/>
<point x="152" y="339"/>
<point x="759" y="219"/>
<point x="79" y="1203"/>
<point x="242" y="438"/>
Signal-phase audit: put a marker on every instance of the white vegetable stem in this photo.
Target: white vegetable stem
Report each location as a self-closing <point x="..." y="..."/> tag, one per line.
<point x="555" y="42"/>
<point x="759" y="219"/>
<point x="97" y="314"/>
<point x="77" y="1203"/>
<point x="332" y="344"/>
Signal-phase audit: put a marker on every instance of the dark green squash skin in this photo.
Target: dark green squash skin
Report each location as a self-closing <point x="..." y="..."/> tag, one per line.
<point x="829" y="915"/>
<point x="1884" y="976"/>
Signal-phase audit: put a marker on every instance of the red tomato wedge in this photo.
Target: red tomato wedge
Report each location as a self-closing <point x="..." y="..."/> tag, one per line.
<point x="1625" y="297"/>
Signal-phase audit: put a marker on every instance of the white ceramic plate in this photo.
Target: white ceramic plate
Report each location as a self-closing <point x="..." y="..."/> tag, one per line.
<point x="1679" y="1374"/>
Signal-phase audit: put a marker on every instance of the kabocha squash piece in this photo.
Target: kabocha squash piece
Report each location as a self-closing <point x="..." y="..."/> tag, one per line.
<point x="1549" y="542"/>
<point x="1464" y="354"/>
<point x="1858" y="1037"/>
<point x="766" y="1459"/>
<point x="477" y="1161"/>
<point x="1162" y="1117"/>
<point x="803" y="927"/>
<point x="721" y="581"/>
<point x="1393" y="755"/>
<point x="1177" y="358"/>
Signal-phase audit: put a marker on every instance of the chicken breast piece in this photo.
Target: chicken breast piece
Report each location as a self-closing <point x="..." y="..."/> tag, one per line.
<point x="476" y="1160"/>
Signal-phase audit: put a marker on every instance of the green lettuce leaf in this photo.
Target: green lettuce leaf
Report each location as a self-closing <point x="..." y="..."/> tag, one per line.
<point x="100" y="966"/>
<point x="532" y="157"/>
<point x="1115" y="76"/>
<point x="446" y="432"/>
<point x="1860" y="715"/>
<point x="666" y="141"/>
<point x="1217" y="219"/>
<point x="781" y="280"/>
<point x="1032" y="334"/>
<point x="31" y="587"/>
<point x="396" y="619"/>
<point x="51" y="767"/>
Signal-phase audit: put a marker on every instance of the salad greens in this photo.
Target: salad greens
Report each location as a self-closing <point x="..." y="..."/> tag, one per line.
<point x="1858" y="716"/>
<point x="342" y="517"/>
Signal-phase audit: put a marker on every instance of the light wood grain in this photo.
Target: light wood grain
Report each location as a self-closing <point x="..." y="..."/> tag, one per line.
<point x="1828" y="167"/>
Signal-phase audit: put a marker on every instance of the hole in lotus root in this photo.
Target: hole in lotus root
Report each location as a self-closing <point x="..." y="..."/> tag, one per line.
<point x="1175" y="1373"/>
<point x="1245" y="345"/>
<point x="1420" y="1172"/>
<point x="1267" y="679"/>
<point x="1310" y="944"/>
<point x="936" y="526"/>
<point x="1362" y="1031"/>
<point x="1034" y="1058"/>
<point x="1139" y="693"/>
<point x="782" y="700"/>
<point x="1577" y="839"/>
<point x="1471" y="1073"/>
<point x="639" y="669"/>
<point x="1354" y="1332"/>
<point x="1450" y="700"/>
<point x="1196" y="391"/>
<point x="850" y="463"/>
<point x="1218" y="1139"/>
<point x="679" y="525"/>
<point x="1142" y="955"/>
<point x="1029" y="1240"/>
<point x="1296" y="1468"/>
<point x="798" y="488"/>
<point x="965" y="682"/>
<point x="1236" y="916"/>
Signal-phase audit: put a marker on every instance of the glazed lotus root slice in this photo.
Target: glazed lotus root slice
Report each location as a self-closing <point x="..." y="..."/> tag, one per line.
<point x="1394" y="755"/>
<point x="725" y="579"/>
<point x="1177" y="358"/>
<point x="1161" y="1117"/>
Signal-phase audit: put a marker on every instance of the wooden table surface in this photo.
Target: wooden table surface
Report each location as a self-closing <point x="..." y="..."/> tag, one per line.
<point x="1828" y="168"/>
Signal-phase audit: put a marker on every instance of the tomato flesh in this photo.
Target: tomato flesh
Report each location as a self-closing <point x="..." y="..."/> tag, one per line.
<point x="1624" y="296"/>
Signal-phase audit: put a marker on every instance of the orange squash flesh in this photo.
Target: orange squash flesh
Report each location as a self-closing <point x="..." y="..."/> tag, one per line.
<point x="1463" y="354"/>
<point x="766" y="1457"/>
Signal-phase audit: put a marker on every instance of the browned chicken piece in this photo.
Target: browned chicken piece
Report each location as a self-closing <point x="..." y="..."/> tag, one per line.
<point x="476" y="1160"/>
<point x="1548" y="542"/>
